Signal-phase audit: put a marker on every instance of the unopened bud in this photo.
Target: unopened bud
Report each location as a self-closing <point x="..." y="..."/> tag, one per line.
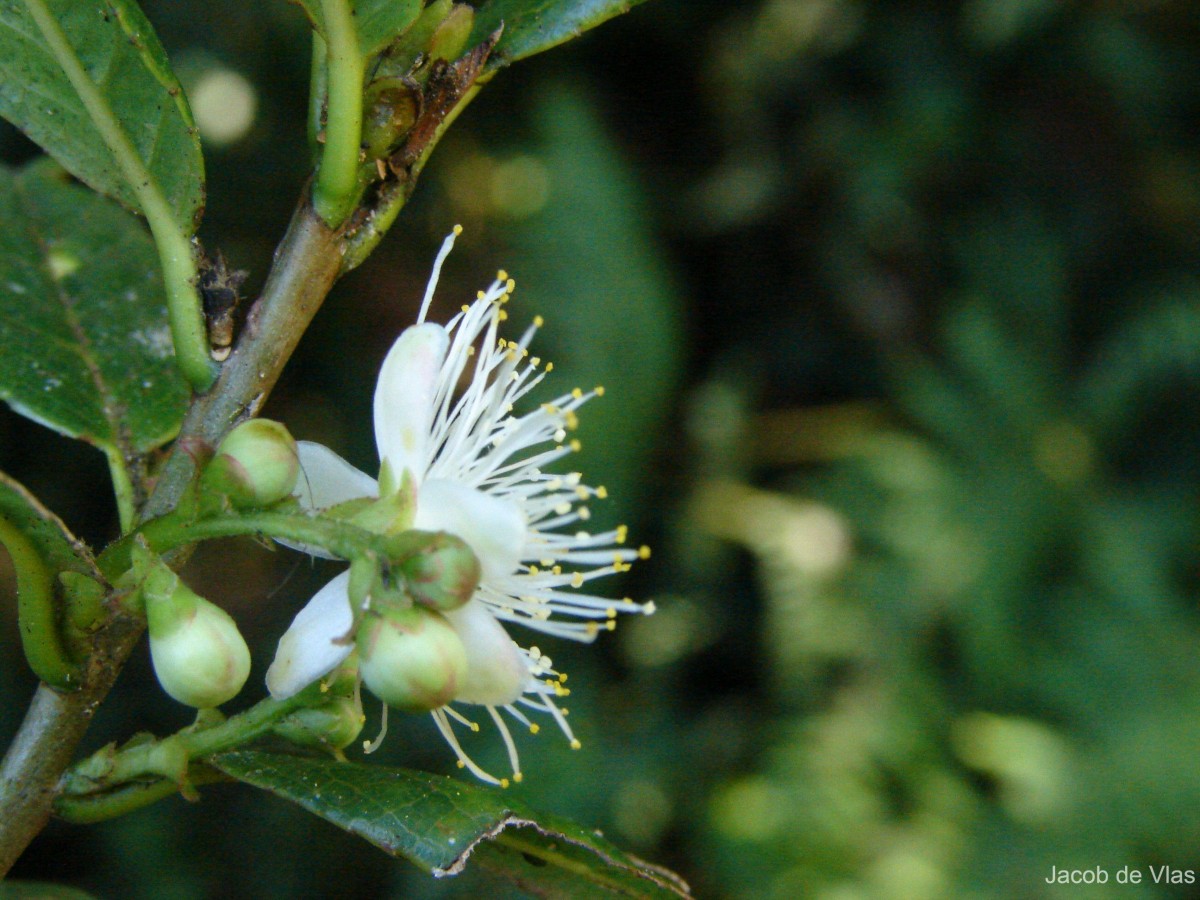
<point x="199" y="655"/>
<point x="257" y="464"/>
<point x="334" y="725"/>
<point x="450" y="37"/>
<point x="444" y="574"/>
<point x="411" y="659"/>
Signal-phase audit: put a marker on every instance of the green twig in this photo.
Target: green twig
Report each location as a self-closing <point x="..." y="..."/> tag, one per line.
<point x="168" y="533"/>
<point x="122" y="488"/>
<point x="337" y="185"/>
<point x="395" y="194"/>
<point x="92" y="808"/>
<point x="40" y="637"/>
<point x="318" y="91"/>
<point x="111" y="783"/>
<point x="174" y="249"/>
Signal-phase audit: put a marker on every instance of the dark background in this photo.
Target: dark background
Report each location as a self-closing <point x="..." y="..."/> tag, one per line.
<point x="898" y="312"/>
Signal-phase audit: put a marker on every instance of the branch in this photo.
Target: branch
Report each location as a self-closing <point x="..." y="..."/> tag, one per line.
<point x="306" y="265"/>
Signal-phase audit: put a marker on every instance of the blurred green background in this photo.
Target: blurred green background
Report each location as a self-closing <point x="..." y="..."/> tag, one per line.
<point x="897" y="305"/>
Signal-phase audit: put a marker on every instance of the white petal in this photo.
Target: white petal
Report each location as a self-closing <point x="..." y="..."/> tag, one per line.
<point x="327" y="480"/>
<point x="493" y="528"/>
<point x="497" y="673"/>
<point x="307" y="649"/>
<point x="404" y="397"/>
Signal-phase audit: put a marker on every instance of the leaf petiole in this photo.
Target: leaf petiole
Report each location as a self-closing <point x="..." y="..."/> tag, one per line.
<point x="336" y="188"/>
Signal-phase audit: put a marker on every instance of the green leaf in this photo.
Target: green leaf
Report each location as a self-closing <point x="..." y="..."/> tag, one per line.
<point x="59" y="550"/>
<point x="87" y="349"/>
<point x="41" y="548"/>
<point x="437" y="823"/>
<point x="379" y="21"/>
<point x="134" y="113"/>
<point x="531" y="26"/>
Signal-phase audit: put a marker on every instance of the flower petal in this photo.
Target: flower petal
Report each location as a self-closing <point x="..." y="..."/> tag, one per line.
<point x="404" y="397"/>
<point x="327" y="480"/>
<point x="497" y="673"/>
<point x="307" y="649"/>
<point x="493" y="527"/>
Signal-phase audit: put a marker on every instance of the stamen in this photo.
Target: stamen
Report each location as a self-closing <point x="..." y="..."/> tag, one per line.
<point x="465" y="761"/>
<point x="447" y="246"/>
<point x="508" y="743"/>
<point x="372" y="746"/>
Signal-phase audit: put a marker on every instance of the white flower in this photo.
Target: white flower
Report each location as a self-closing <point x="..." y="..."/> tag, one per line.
<point x="478" y="469"/>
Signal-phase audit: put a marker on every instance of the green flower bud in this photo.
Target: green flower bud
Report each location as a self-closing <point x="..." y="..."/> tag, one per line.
<point x="411" y="659"/>
<point x="450" y="37"/>
<point x="198" y="653"/>
<point x="443" y="574"/>
<point x="390" y="108"/>
<point x="334" y="725"/>
<point x="256" y="465"/>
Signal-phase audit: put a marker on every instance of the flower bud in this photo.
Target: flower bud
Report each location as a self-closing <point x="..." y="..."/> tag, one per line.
<point x="443" y="574"/>
<point x="199" y="655"/>
<point x="333" y="724"/>
<point x="256" y="465"/>
<point x="411" y="659"/>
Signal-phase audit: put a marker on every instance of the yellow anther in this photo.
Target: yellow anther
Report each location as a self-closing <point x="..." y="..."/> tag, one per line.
<point x="572" y="421"/>
<point x="503" y="782"/>
<point x="643" y="552"/>
<point x="466" y="308"/>
<point x="503" y="315"/>
<point x="502" y="275"/>
<point x="535" y="361"/>
<point x="475" y="727"/>
<point x="518" y="777"/>
<point x="602" y="492"/>
<point x="581" y="493"/>
<point x="622" y="533"/>
<point x="471" y="350"/>
<point x="557" y="570"/>
<point x="585" y="513"/>
<point x="599" y="390"/>
<point x="577" y="394"/>
<point x="550" y="367"/>
<point x="562" y="676"/>
<point x="611" y="625"/>
<point x="461" y="764"/>
<point x="564" y="710"/>
<point x="510" y="285"/>
<point x="534" y="728"/>
<point x="534" y="570"/>
<point x="562" y="509"/>
<point x="648" y="608"/>
<point x="575" y="745"/>
<point x="479" y="295"/>
<point x="576" y="446"/>
<point x="457" y="229"/>
<point x="324" y="687"/>
<point x="577" y="580"/>
<point x="538" y="321"/>
<point x="591" y="628"/>
<point x="611" y="613"/>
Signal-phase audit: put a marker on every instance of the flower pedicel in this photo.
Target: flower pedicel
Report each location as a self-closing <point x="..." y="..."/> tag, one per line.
<point x="477" y="471"/>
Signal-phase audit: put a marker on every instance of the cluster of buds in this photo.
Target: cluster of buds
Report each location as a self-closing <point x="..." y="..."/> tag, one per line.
<point x="199" y="656"/>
